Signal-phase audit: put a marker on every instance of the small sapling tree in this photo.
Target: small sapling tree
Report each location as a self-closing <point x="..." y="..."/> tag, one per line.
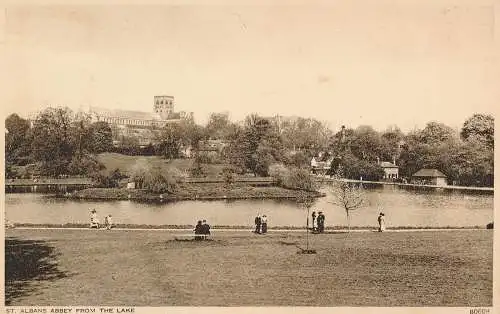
<point x="347" y="195"/>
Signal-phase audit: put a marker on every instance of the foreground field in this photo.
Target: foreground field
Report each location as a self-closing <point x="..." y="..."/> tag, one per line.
<point x="89" y="267"/>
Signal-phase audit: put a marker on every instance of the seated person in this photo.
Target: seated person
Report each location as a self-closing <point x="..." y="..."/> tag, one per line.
<point x="205" y="229"/>
<point x="108" y="222"/>
<point x="94" y="222"/>
<point x="198" y="230"/>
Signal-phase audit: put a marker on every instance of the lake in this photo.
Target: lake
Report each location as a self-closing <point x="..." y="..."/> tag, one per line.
<point x="402" y="207"/>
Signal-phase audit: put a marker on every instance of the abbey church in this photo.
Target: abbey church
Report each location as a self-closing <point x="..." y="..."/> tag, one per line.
<point x="139" y="125"/>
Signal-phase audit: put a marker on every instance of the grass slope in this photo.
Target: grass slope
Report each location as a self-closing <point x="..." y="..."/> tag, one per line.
<point x="430" y="268"/>
<point x="125" y="163"/>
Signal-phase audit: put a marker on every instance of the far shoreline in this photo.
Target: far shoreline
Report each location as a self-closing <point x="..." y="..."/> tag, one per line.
<point x="193" y="192"/>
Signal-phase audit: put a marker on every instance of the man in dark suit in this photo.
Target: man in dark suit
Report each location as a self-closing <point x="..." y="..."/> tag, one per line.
<point x="258" y="222"/>
<point x="205" y="229"/>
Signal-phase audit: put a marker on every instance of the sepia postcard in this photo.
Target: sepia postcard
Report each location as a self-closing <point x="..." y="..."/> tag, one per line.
<point x="249" y="156"/>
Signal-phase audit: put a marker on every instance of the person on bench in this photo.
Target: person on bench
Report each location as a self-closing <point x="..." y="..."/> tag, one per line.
<point x="198" y="230"/>
<point x="94" y="222"/>
<point x="205" y="229"/>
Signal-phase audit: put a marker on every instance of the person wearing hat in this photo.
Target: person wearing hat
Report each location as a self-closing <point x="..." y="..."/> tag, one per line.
<point x="94" y="222"/>
<point x="381" y="222"/>
<point x="108" y="222"/>
<point x="258" y="221"/>
<point x="263" y="221"/>
<point x="198" y="230"/>
<point x="314" y="222"/>
<point x="205" y="229"/>
<point x="321" y="222"/>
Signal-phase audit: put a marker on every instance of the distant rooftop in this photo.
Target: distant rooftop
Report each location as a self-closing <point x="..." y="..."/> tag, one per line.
<point x="386" y="164"/>
<point x="433" y="173"/>
<point x="128" y="114"/>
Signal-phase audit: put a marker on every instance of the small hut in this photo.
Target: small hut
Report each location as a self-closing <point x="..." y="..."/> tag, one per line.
<point x="429" y="177"/>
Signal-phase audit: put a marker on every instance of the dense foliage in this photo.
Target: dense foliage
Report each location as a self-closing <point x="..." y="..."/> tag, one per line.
<point x="60" y="142"/>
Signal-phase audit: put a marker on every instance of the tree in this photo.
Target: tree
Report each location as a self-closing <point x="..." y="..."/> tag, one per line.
<point x="390" y="143"/>
<point x="138" y="172"/>
<point x="80" y="134"/>
<point x="84" y="165"/>
<point x="347" y="196"/>
<point x="436" y="133"/>
<point x="52" y="140"/>
<point x="305" y="134"/>
<point x="480" y="127"/>
<point x="306" y="202"/>
<point x="297" y="159"/>
<point x="174" y="136"/>
<point x="219" y="126"/>
<point x="102" y="137"/>
<point x="171" y="140"/>
<point x="366" y="143"/>
<point x="17" y="140"/>
<point x="256" y="146"/>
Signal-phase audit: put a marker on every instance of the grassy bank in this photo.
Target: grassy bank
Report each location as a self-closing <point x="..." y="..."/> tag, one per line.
<point x="195" y="191"/>
<point x="126" y="163"/>
<point x="144" y="268"/>
<point x="236" y="227"/>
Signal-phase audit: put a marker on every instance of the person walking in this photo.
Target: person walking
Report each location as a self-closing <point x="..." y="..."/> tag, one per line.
<point x="381" y="222"/>
<point x="258" y="222"/>
<point x="314" y="222"/>
<point x="264" y="224"/>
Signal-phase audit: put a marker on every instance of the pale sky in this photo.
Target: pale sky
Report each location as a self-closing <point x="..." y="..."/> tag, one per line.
<point x="352" y="64"/>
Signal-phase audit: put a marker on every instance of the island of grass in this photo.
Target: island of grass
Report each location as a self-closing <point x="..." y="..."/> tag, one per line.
<point x="156" y="179"/>
<point x="196" y="191"/>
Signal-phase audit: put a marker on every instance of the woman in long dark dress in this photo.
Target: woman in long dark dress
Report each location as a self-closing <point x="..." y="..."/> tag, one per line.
<point x="198" y="230"/>
<point x="264" y="224"/>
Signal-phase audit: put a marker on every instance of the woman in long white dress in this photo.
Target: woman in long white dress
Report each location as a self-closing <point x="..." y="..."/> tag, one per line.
<point x="314" y="222"/>
<point x="94" y="222"/>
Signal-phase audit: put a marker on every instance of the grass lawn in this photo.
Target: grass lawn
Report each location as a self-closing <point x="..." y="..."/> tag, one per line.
<point x="90" y="267"/>
<point x="125" y="163"/>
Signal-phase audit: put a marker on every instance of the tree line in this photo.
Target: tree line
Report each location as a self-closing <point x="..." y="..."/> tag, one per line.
<point x="61" y="142"/>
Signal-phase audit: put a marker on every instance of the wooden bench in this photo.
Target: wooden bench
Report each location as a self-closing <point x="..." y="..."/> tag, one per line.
<point x="191" y="236"/>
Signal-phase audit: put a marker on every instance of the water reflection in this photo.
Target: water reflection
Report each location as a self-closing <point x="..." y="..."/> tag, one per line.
<point x="402" y="208"/>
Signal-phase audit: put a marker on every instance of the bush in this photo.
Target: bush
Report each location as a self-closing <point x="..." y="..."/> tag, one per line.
<point x="207" y="158"/>
<point x="300" y="179"/>
<point x="157" y="181"/>
<point x="279" y="172"/>
<point x="85" y="165"/>
<point x="294" y="178"/>
<point x="108" y="181"/>
<point x="355" y="168"/>
<point x="198" y="170"/>
<point x="229" y="175"/>
<point x="298" y="159"/>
